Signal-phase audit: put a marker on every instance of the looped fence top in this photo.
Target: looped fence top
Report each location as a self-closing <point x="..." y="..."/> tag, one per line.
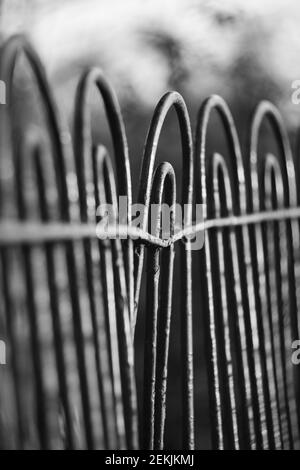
<point x="70" y="298"/>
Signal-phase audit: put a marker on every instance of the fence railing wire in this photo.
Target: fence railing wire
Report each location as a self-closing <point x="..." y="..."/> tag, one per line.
<point x="70" y="300"/>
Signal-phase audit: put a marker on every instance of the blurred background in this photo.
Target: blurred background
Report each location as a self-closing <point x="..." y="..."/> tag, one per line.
<point x="244" y="51"/>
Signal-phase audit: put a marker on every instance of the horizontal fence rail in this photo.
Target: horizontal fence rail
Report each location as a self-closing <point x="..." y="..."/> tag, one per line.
<point x="70" y="299"/>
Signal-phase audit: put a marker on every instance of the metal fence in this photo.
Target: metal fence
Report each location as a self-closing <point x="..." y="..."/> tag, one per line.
<point x="70" y="301"/>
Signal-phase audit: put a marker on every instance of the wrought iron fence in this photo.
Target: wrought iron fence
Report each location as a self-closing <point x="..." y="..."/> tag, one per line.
<point x="70" y="300"/>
